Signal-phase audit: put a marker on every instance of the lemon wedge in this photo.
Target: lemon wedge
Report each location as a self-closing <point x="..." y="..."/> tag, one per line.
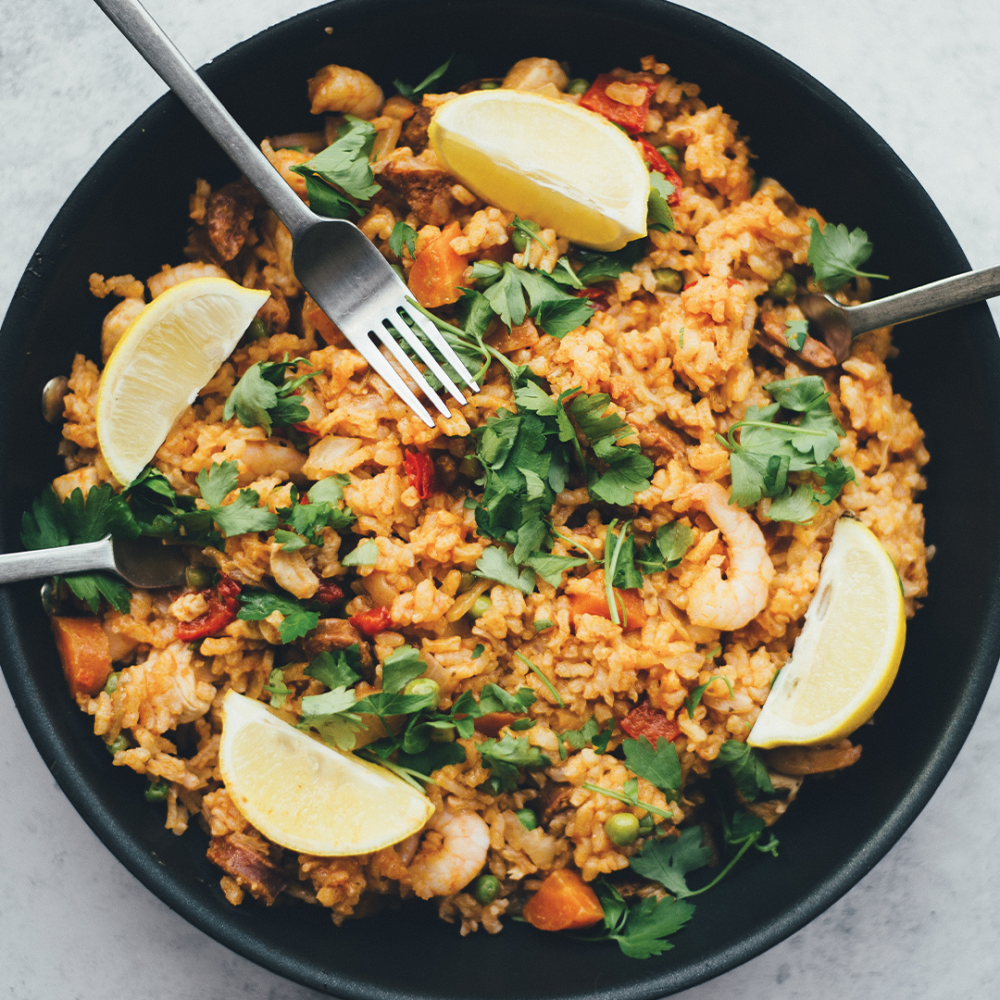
<point x="562" y="166"/>
<point x="846" y="657"/>
<point x="305" y="796"/>
<point x="169" y="352"/>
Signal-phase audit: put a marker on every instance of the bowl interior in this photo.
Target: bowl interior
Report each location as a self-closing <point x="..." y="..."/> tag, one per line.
<point x="129" y="215"/>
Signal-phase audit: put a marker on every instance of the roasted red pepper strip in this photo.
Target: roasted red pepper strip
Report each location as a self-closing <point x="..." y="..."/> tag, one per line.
<point x="630" y="117"/>
<point x="644" y="720"/>
<point x="372" y="622"/>
<point x="328" y="593"/>
<point x="656" y="162"/>
<point x="598" y="297"/>
<point x="420" y="468"/>
<point x="223" y="606"/>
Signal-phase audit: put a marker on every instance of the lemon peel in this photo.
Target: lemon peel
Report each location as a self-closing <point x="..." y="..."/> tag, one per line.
<point x="846" y="657"/>
<point x="304" y="795"/>
<point x="560" y="165"/>
<point x="170" y="351"/>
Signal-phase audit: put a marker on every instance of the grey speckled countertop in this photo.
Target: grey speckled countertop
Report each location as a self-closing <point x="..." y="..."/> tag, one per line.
<point x="923" y="924"/>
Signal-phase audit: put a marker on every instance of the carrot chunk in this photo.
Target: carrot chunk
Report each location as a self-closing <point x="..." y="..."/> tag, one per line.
<point x="595" y="602"/>
<point x="564" y="902"/>
<point x="85" y="653"/>
<point x="436" y="275"/>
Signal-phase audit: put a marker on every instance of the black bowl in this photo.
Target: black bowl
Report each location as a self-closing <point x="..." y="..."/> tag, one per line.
<point x="129" y="215"/>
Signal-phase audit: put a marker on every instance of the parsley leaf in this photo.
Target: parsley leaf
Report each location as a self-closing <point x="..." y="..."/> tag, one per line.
<point x="243" y="515"/>
<point x="435" y="74"/>
<point x="658" y="212"/>
<point x="589" y="733"/>
<point x="660" y="766"/>
<point x="504" y="758"/>
<point x="836" y="254"/>
<point x="668" y="861"/>
<point x="403" y="235"/>
<point x="554" y="310"/>
<point x="400" y="667"/>
<point x="641" y="930"/>
<point x="263" y="397"/>
<point x="794" y="505"/>
<point x="599" y="266"/>
<point x="80" y="519"/>
<point x="309" y="519"/>
<point x="339" y="668"/>
<point x="746" y="768"/>
<point x="160" y="512"/>
<point x="277" y="687"/>
<point x="666" y="549"/>
<point x="796" y="331"/>
<point x="551" y="568"/>
<point x="342" y="167"/>
<point x="259" y="604"/>
<point x="694" y="699"/>
<point x="497" y="564"/>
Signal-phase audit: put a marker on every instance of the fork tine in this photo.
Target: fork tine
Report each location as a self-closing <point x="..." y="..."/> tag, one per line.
<point x="385" y="334"/>
<point x="421" y="349"/>
<point x="380" y="363"/>
<point x="432" y="333"/>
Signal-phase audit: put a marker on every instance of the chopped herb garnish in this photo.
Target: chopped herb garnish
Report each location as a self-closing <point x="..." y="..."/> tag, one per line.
<point x="297" y="621"/>
<point x="277" y="687"/>
<point x="366" y="554"/>
<point x="668" y="861"/>
<point x="265" y="398"/>
<point x="478" y="651"/>
<point x="590" y="733"/>
<point x="658" y="214"/>
<point x="554" y="310"/>
<point x="504" y="757"/>
<point x="541" y="624"/>
<point x="746" y="767"/>
<point x="694" y="699"/>
<point x="796" y="331"/>
<point x="641" y="931"/>
<point x="599" y="266"/>
<point x="435" y="74"/>
<point x="401" y="236"/>
<point x="339" y="668"/>
<point x="537" y="671"/>
<point x="242" y="515"/>
<point x="666" y="549"/>
<point x="322" y="511"/>
<point x="836" y="254"/>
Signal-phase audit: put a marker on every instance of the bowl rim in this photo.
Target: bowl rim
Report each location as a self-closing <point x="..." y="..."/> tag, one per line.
<point x="29" y="697"/>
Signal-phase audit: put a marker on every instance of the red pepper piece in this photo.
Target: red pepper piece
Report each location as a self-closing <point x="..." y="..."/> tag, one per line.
<point x="223" y="606"/>
<point x="372" y="622"/>
<point x="644" y="720"/>
<point x="420" y="468"/>
<point x="328" y="593"/>
<point x="630" y="117"/>
<point x="656" y="162"/>
<point x="597" y="296"/>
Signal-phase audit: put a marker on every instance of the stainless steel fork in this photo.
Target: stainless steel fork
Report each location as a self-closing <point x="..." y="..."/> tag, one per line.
<point x="335" y="262"/>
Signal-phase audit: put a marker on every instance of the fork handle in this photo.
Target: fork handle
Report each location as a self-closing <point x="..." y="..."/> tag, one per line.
<point x="136" y="24"/>
<point x="948" y="293"/>
<point x="56" y="562"/>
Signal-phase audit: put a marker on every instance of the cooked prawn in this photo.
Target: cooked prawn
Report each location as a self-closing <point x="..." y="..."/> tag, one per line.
<point x="170" y="276"/>
<point x="450" y="861"/>
<point x="338" y="88"/>
<point x="733" y="602"/>
<point x="117" y="321"/>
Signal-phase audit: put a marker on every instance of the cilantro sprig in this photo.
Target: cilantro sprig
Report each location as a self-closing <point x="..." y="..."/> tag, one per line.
<point x="641" y="931"/>
<point x="297" y="620"/>
<point x="435" y="74"/>
<point x="768" y="451"/>
<point x="242" y="515"/>
<point x="341" y="176"/>
<point x="320" y="509"/>
<point x="836" y="254"/>
<point x="264" y="397"/>
<point x="77" y="519"/>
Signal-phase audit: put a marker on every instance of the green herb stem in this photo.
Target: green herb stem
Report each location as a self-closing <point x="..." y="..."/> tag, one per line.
<point x="622" y="797"/>
<point x="538" y="673"/>
<point x="747" y="844"/>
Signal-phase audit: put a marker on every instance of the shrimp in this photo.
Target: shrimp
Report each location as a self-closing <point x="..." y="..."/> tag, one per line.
<point x="536" y="73"/>
<point x="337" y="88"/>
<point x="455" y="857"/>
<point x="731" y="603"/>
<point x="117" y="321"/>
<point x="170" y="276"/>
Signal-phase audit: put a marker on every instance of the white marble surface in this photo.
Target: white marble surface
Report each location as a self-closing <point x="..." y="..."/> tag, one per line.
<point x="923" y="924"/>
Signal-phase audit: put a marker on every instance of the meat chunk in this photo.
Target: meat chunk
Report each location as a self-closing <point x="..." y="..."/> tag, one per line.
<point x="798" y="761"/>
<point x="330" y="634"/>
<point x="239" y="857"/>
<point x="228" y="215"/>
<point x="424" y="187"/>
<point x="414" y="132"/>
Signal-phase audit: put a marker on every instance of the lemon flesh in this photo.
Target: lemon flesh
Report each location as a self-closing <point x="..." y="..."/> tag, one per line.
<point x="562" y="166"/>
<point x="846" y="657"/>
<point x="169" y="352"/>
<point x="305" y="796"/>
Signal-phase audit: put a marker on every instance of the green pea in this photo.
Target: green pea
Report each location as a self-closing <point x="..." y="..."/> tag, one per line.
<point x="671" y="154"/>
<point x="622" y="828"/>
<point x="117" y="744"/>
<point x="646" y="825"/>
<point x="489" y="85"/>
<point x="424" y="687"/>
<point x="528" y="819"/>
<point x="668" y="279"/>
<point x="157" y="791"/>
<point x="519" y="238"/>
<point x="198" y="577"/>
<point x="480" y="606"/>
<point x="112" y="683"/>
<point x="470" y="466"/>
<point x="578" y="86"/>
<point x="257" y="330"/>
<point x="486" y="888"/>
<point x="785" y="287"/>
